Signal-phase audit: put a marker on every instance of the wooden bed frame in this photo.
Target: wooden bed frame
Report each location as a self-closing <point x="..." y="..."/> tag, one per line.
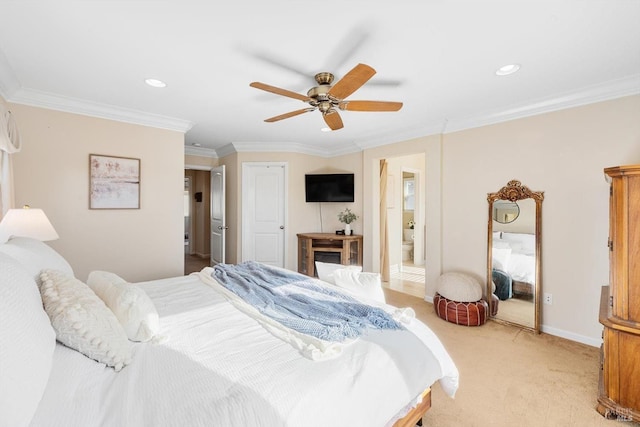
<point x="415" y="415"/>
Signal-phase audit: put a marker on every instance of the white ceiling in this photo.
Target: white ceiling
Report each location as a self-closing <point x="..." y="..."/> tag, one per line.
<point x="438" y="57"/>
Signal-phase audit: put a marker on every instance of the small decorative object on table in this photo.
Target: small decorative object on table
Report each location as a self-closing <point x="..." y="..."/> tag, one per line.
<point x="347" y="217"/>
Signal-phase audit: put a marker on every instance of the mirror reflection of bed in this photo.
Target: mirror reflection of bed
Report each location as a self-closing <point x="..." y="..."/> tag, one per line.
<point x="513" y="255"/>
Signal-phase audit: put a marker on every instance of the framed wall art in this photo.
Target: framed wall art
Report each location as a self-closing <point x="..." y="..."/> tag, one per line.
<point x="114" y="182"/>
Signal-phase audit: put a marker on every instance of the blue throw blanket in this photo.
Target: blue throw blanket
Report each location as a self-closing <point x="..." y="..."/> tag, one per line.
<point x="300" y="302"/>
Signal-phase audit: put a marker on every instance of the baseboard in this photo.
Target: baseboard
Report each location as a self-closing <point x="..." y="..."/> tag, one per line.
<point x="571" y="336"/>
<point x="593" y="342"/>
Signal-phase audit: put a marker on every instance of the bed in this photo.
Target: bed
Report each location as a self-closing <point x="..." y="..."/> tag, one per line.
<point x="514" y="255"/>
<point x="204" y="360"/>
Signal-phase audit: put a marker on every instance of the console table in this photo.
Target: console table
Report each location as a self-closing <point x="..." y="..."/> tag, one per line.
<point x="327" y="247"/>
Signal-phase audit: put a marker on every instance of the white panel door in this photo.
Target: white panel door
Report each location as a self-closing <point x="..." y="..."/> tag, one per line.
<point x="218" y="223"/>
<point x="263" y="212"/>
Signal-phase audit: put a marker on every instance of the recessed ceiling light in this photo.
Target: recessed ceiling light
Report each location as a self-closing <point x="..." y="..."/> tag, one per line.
<point x="507" y="69"/>
<point x="326" y="129"/>
<point x="155" y="83"/>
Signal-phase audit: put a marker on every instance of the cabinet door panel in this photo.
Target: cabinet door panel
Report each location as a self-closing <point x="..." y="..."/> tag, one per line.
<point x="629" y="364"/>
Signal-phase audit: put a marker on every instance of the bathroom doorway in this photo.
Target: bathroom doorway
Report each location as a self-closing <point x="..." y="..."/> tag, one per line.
<point x="406" y="223"/>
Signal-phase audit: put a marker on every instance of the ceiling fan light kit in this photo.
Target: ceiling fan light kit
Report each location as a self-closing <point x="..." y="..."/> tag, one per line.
<point x="329" y="99"/>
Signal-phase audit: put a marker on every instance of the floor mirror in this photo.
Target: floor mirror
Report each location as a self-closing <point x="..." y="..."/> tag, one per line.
<point x="514" y="268"/>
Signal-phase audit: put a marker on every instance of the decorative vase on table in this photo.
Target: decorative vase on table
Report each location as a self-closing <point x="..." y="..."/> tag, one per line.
<point x="347" y="229"/>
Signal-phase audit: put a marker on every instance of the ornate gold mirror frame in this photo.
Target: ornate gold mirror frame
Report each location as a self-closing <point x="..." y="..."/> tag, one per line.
<point x="514" y="191"/>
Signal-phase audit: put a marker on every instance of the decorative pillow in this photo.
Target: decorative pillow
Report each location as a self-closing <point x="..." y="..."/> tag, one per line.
<point x="325" y="270"/>
<point x="27" y="342"/>
<point x="131" y="305"/>
<point x="459" y="287"/>
<point x="366" y="284"/>
<point x="82" y="321"/>
<point x="35" y="256"/>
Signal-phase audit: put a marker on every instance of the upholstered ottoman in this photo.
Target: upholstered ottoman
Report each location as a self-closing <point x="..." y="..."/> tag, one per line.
<point x="458" y="300"/>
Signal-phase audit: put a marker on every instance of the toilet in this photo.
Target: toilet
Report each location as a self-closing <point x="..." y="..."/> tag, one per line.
<point x="407" y="244"/>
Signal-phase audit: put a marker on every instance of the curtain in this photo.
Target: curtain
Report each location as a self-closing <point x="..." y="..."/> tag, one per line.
<point x="384" y="236"/>
<point x="9" y="144"/>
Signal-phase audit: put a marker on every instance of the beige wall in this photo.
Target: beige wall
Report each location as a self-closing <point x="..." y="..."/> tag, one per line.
<point x="52" y="172"/>
<point x="302" y="217"/>
<point x="561" y="153"/>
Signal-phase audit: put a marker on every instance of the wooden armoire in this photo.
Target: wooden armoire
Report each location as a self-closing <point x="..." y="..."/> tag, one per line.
<point x="619" y="394"/>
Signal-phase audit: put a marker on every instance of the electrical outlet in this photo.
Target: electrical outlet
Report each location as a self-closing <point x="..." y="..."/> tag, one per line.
<point x="548" y="299"/>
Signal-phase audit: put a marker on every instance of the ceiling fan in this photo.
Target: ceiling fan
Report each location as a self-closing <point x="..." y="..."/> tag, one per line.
<point x="329" y="99"/>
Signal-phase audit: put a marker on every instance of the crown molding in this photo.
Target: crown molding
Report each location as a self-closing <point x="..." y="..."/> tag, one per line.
<point x="190" y="150"/>
<point x="51" y="101"/>
<point x="283" y="147"/>
<point x="605" y="91"/>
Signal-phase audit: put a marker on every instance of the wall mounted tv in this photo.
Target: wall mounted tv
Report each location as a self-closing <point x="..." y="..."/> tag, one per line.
<point x="331" y="187"/>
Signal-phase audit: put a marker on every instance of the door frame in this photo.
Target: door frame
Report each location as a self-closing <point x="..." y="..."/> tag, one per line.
<point x="220" y="169"/>
<point x="285" y="219"/>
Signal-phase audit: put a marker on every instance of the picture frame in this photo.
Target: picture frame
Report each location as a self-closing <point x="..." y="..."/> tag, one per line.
<point x="114" y="182"/>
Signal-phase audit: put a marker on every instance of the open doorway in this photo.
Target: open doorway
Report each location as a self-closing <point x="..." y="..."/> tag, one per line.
<point x="406" y="223"/>
<point x="197" y="224"/>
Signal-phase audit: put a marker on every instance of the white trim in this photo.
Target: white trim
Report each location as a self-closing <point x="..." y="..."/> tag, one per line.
<point x="571" y="336"/>
<point x="52" y="101"/>
<point x="190" y="150"/>
<point x="199" y="167"/>
<point x="556" y="332"/>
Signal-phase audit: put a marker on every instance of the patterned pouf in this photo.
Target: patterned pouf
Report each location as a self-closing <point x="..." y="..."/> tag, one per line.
<point x="461" y="313"/>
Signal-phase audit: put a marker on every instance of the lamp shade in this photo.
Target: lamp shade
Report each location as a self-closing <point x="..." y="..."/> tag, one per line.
<point x="27" y="222"/>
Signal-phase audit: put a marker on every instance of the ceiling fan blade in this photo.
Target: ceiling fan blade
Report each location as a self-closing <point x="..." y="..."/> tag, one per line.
<point x="279" y="91"/>
<point x="352" y="81"/>
<point x="370" y="105"/>
<point x="333" y="120"/>
<point x="289" y="114"/>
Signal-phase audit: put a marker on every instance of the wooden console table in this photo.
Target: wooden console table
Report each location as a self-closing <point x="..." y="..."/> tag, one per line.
<point x="327" y="247"/>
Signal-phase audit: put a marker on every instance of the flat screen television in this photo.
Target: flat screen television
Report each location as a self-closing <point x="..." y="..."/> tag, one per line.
<point x="329" y="187"/>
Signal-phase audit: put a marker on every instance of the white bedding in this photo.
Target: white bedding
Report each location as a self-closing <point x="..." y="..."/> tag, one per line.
<point x="514" y="253"/>
<point x="220" y="367"/>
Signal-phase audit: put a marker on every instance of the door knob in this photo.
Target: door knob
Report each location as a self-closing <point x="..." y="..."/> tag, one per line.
<point x="282" y="227"/>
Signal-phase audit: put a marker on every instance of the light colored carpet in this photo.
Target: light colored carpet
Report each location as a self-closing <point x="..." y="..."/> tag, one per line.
<point x="517" y="310"/>
<point x="510" y="377"/>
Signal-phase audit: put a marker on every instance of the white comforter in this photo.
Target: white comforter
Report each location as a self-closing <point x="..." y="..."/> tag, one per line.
<point x="219" y="367"/>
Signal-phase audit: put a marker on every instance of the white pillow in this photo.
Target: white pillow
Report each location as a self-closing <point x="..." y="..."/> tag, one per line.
<point x="82" y="321"/>
<point x="131" y="305"/>
<point x="27" y="342"/>
<point x="35" y="256"/>
<point x="325" y="270"/>
<point x="459" y="287"/>
<point x="368" y="285"/>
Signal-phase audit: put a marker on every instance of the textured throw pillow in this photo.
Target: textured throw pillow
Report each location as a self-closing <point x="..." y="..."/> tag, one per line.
<point x="368" y="285"/>
<point x="325" y="270"/>
<point x="27" y="342"/>
<point x="131" y="305"/>
<point x="459" y="287"/>
<point x="35" y="256"/>
<point x="82" y="321"/>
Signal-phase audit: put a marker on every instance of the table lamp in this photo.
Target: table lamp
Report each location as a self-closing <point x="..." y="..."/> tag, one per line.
<point x="26" y="222"/>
